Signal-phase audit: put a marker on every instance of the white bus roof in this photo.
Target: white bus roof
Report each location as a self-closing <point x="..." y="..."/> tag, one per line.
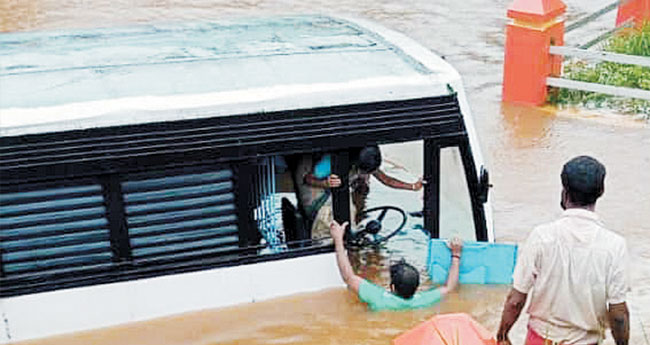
<point x="79" y="79"/>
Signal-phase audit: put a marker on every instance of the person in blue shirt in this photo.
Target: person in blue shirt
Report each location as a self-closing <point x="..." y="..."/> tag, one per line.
<point x="405" y="279"/>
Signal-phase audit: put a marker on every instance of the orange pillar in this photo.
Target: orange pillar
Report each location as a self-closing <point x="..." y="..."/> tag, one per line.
<point x="535" y="26"/>
<point x="635" y="10"/>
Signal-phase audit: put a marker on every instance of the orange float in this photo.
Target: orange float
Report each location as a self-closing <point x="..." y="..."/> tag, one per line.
<point x="447" y="329"/>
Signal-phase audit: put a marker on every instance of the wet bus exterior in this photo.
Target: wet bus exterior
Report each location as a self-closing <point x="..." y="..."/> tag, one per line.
<point x="137" y="163"/>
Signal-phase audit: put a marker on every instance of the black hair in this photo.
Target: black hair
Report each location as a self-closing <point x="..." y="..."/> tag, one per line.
<point x="583" y="178"/>
<point x="369" y="158"/>
<point x="404" y="278"/>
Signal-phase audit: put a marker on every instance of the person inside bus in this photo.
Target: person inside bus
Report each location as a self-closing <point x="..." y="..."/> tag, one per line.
<point x="404" y="279"/>
<point x="312" y="179"/>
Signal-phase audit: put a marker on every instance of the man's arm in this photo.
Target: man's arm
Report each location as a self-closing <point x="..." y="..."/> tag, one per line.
<point x="332" y="181"/>
<point x="456" y="246"/>
<point x="619" y="321"/>
<point x="617" y="313"/>
<point x="352" y="280"/>
<point x="511" y="310"/>
<point x="395" y="183"/>
<point x="523" y="279"/>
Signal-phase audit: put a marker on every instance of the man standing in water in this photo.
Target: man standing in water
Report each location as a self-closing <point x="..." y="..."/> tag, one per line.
<point x="404" y="279"/>
<point x="574" y="269"/>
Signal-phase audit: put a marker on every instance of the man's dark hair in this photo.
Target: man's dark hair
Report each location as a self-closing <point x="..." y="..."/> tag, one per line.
<point x="369" y="159"/>
<point x="404" y="278"/>
<point x="583" y="178"/>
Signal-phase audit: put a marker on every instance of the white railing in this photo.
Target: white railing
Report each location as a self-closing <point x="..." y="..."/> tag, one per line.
<point x="594" y="87"/>
<point x="600" y="88"/>
<point x="584" y="21"/>
<point x="601" y="56"/>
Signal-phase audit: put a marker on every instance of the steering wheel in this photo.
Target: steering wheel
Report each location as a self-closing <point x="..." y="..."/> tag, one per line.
<point x="372" y="233"/>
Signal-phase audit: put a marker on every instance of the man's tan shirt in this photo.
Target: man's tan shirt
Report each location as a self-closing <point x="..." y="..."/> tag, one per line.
<point x="574" y="268"/>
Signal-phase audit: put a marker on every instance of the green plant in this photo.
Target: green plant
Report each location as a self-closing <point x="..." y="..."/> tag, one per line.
<point x="631" y="42"/>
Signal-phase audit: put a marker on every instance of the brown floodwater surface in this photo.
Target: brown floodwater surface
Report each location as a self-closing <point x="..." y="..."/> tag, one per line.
<point x="332" y="316"/>
<point x="524" y="148"/>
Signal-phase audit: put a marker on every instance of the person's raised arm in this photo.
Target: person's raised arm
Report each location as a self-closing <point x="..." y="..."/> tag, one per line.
<point x="352" y="280"/>
<point x="456" y="246"/>
<point x="619" y="322"/>
<point x="395" y="183"/>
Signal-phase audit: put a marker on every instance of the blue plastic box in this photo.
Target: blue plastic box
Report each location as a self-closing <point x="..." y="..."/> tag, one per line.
<point x="481" y="263"/>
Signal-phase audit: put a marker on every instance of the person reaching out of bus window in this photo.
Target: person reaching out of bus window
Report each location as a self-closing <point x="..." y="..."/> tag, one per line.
<point x="313" y="180"/>
<point x="404" y="279"/>
<point x="364" y="162"/>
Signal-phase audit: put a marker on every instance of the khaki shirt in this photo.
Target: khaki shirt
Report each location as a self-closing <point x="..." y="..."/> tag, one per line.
<point x="573" y="268"/>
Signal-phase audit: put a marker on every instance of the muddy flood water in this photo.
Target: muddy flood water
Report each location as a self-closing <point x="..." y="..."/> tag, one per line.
<point x="524" y="148"/>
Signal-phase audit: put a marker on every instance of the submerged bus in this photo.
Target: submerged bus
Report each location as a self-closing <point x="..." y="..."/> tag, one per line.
<point x="139" y="172"/>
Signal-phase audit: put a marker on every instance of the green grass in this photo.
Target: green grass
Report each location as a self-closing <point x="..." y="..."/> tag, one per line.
<point x="631" y="42"/>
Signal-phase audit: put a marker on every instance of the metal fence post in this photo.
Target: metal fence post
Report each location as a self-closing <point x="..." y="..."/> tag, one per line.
<point x="535" y="26"/>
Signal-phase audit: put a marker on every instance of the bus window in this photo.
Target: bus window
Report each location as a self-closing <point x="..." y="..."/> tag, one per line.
<point x="403" y="162"/>
<point x="456" y="217"/>
<point x="304" y="205"/>
<point x="285" y="223"/>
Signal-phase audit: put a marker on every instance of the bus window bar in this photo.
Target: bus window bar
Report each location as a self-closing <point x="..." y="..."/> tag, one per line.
<point x="266" y="214"/>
